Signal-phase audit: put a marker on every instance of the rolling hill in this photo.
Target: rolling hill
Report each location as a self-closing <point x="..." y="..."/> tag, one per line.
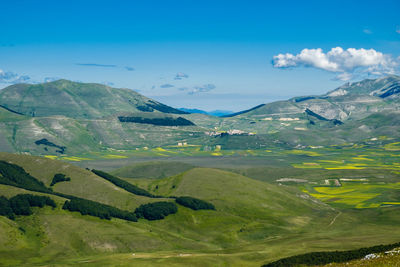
<point x="56" y="235"/>
<point x="348" y="102"/>
<point x="253" y="222"/>
<point x="77" y="100"/>
<point x="93" y="117"/>
<point x="85" y="116"/>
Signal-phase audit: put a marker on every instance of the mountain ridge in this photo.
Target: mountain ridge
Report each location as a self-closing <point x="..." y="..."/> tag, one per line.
<point x="96" y="125"/>
<point x="77" y="100"/>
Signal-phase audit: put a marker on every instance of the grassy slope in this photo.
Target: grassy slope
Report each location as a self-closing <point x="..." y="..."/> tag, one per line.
<point x="72" y="99"/>
<point x="153" y="169"/>
<point x="83" y="182"/>
<point x="254" y="223"/>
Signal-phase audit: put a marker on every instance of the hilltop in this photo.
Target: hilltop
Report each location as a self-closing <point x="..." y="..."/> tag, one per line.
<point x="77" y="100"/>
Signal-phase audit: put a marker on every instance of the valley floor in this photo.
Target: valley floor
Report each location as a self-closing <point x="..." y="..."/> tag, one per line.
<point x="269" y="205"/>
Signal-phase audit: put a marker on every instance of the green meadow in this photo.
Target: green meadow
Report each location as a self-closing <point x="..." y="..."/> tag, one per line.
<point x="270" y="203"/>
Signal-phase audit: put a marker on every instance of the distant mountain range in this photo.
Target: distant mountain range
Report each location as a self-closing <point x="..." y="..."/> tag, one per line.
<point x="80" y="117"/>
<point x="217" y="113"/>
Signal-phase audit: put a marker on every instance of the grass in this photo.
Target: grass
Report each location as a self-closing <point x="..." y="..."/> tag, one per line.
<point x="152" y="169"/>
<point x="83" y="182"/>
<point x="257" y="219"/>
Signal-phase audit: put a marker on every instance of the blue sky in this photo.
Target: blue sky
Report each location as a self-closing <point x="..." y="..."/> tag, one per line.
<point x="201" y="54"/>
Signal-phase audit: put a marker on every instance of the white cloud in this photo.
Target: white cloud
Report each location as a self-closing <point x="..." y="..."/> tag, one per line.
<point x="344" y="62"/>
<point x="12" y="77"/>
<point x="398" y="30"/>
<point x="345" y="76"/>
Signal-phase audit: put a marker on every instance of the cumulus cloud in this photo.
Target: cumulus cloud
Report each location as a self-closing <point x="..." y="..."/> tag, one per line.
<point x="13" y="78"/>
<point x="167" y="85"/>
<point x="180" y="76"/>
<point x="346" y="63"/>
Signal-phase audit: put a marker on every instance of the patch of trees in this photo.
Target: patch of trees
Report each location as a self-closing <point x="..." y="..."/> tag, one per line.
<point x="123" y="184"/>
<point x="103" y="211"/>
<point x="194" y="203"/>
<point x="242" y="112"/>
<point x="319" y="117"/>
<point x="305" y="98"/>
<point x="5" y="208"/>
<point x="15" y="175"/>
<point x="322" y="258"/>
<point x="145" y="108"/>
<point x="164" y="108"/>
<point x="166" y="121"/>
<point x="46" y="142"/>
<point x="21" y="204"/>
<point x="59" y="177"/>
<point x="156" y="210"/>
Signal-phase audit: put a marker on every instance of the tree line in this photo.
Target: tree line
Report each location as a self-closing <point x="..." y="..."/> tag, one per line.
<point x="21" y="204"/>
<point x="194" y="203"/>
<point x="123" y="184"/>
<point x="156" y="210"/>
<point x="167" y="121"/>
<point x="322" y="258"/>
<point x="15" y="175"/>
<point x="12" y="174"/>
<point x="103" y="211"/>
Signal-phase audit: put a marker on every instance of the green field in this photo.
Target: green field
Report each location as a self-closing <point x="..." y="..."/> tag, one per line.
<point x="268" y="206"/>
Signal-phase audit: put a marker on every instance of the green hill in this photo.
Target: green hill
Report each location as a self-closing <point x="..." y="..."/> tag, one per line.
<point x="350" y="101"/>
<point x="231" y="193"/>
<point x="84" y="183"/>
<point x="76" y="100"/>
<point x="253" y="222"/>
